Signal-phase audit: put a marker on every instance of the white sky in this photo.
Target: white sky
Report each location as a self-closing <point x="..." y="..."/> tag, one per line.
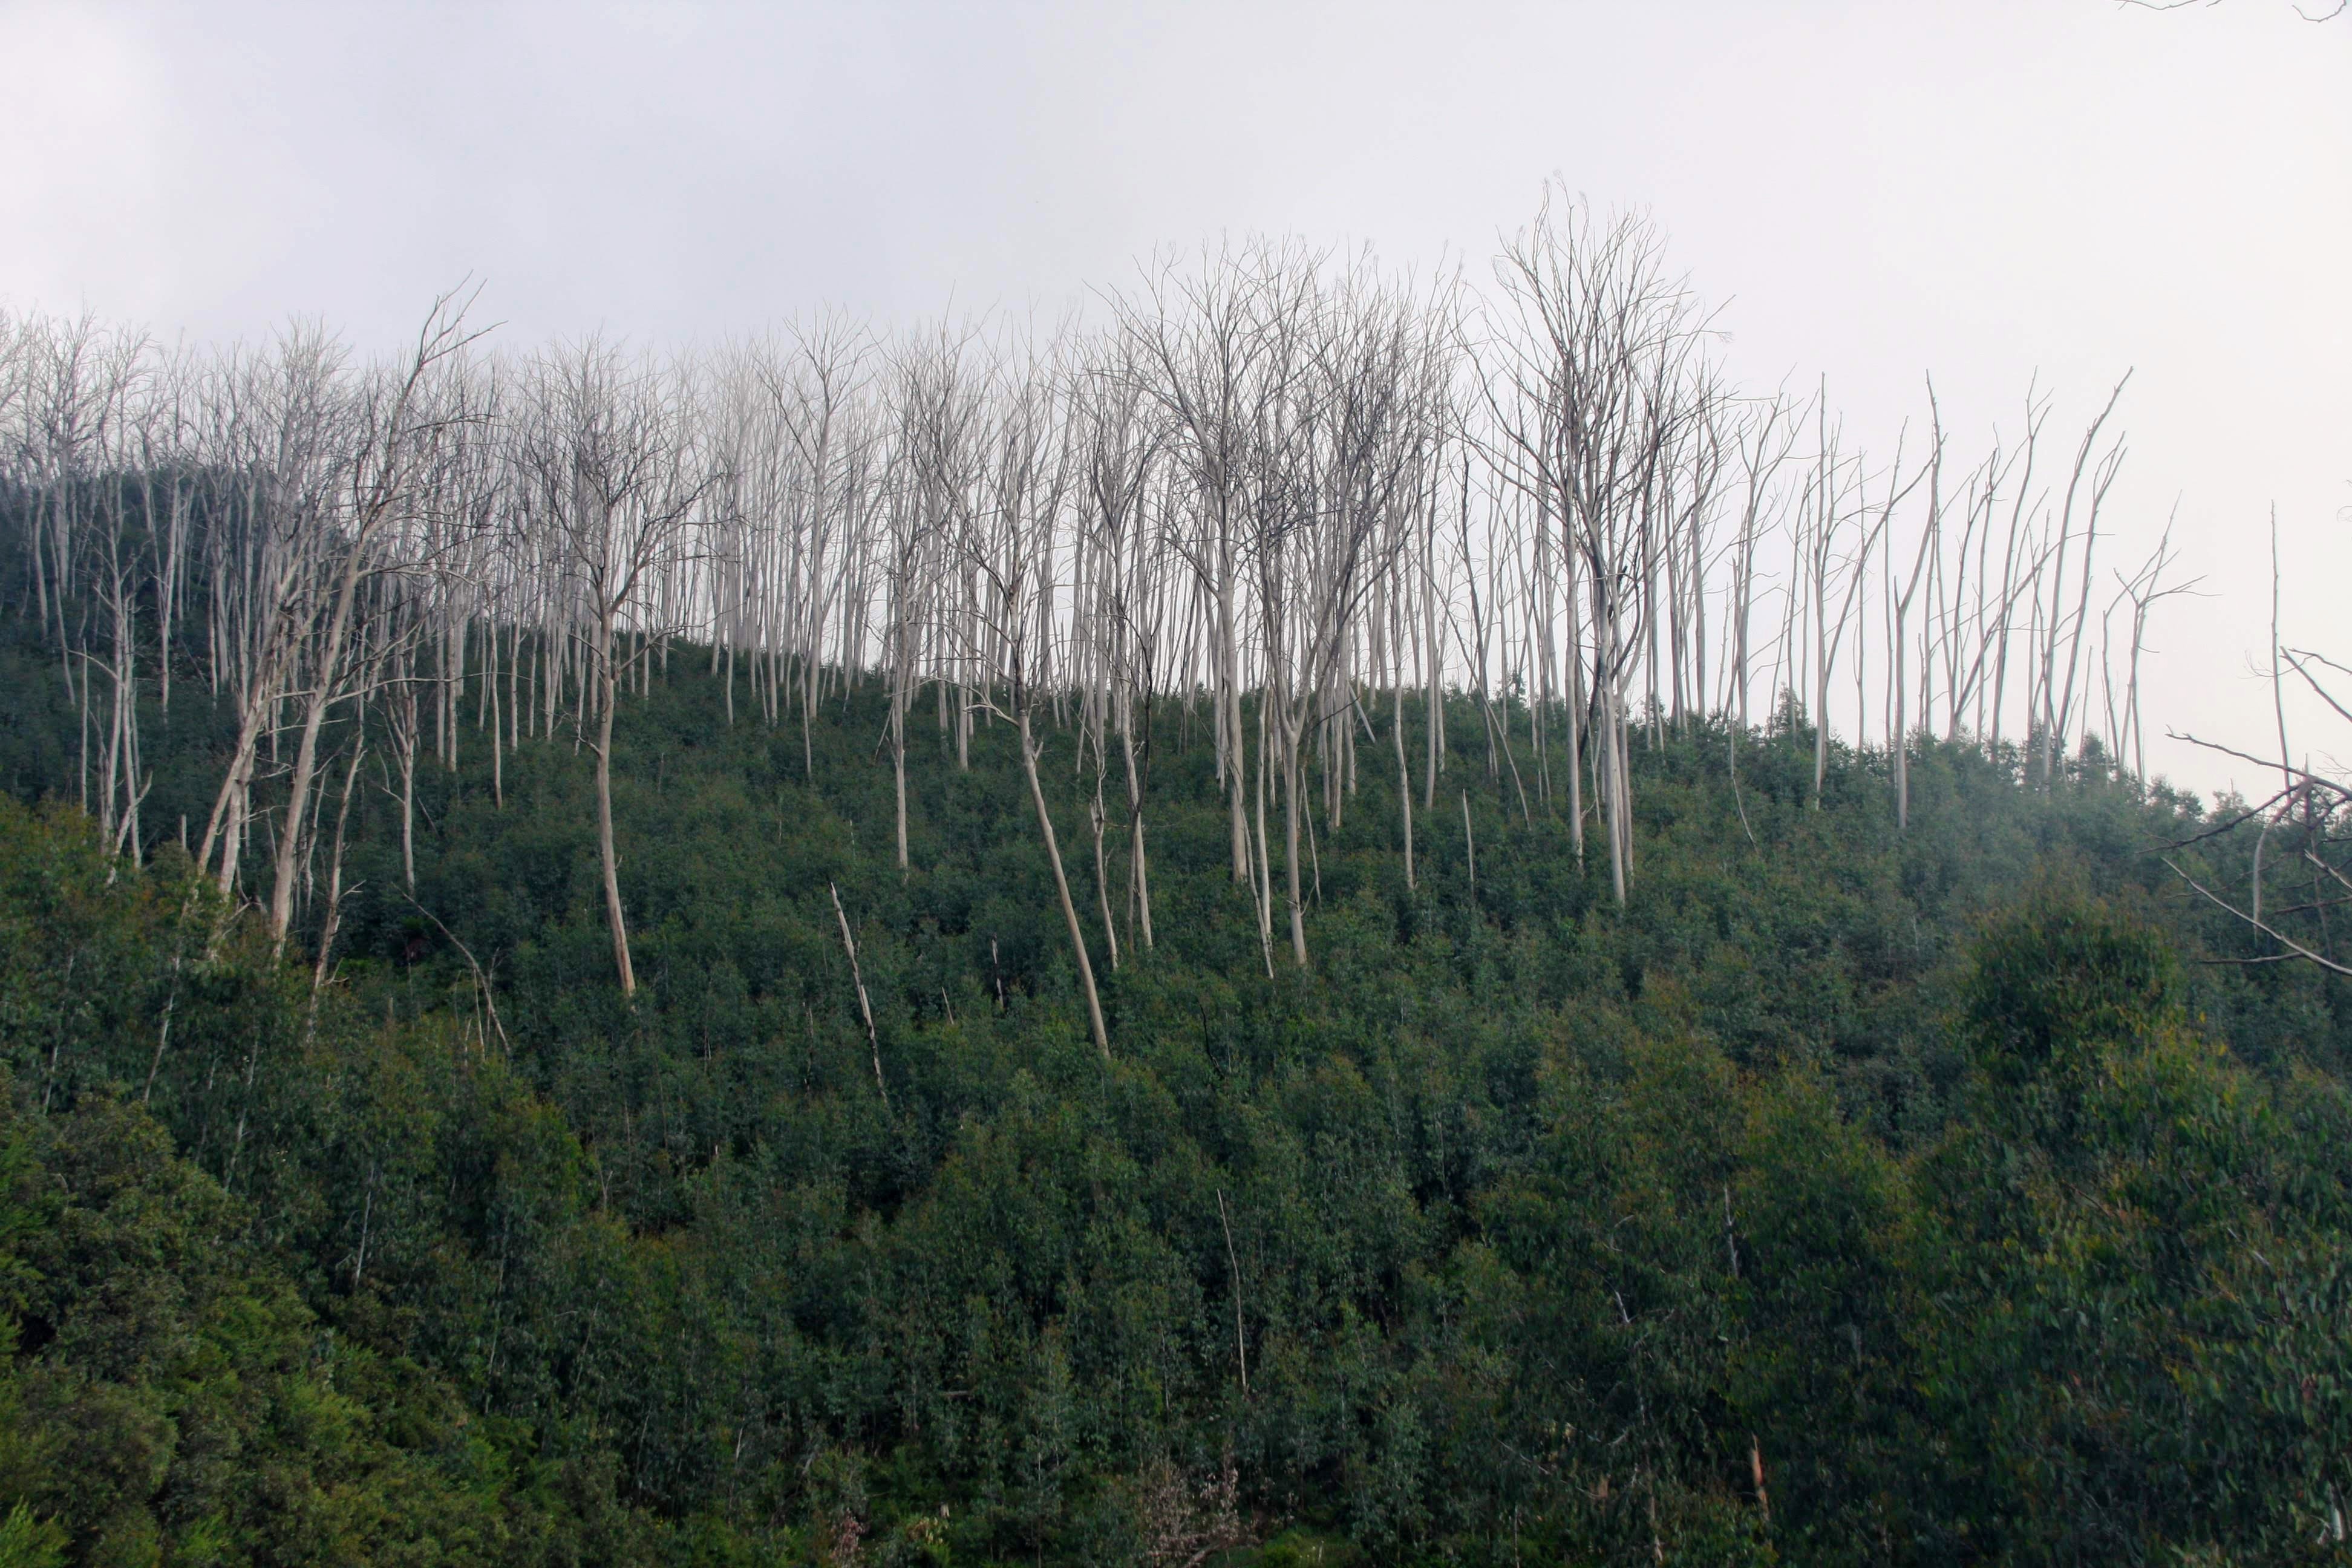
<point x="1982" y="188"/>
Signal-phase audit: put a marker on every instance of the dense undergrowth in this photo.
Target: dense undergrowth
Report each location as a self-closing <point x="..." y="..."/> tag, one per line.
<point x="1847" y="1196"/>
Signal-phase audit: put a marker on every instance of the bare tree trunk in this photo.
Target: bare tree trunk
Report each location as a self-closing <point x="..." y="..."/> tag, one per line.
<point x="1262" y="873"/>
<point x="1433" y="716"/>
<point x="898" y="695"/>
<point x="406" y="751"/>
<point x="1102" y="872"/>
<point x="1139" y="865"/>
<point x="321" y="966"/>
<point x="1291" y="780"/>
<point x="1236" y="742"/>
<point x="865" y="1008"/>
<point x="306" y="753"/>
<point x="1062" y="886"/>
<point x="607" y="696"/>
<point x="1404" y="770"/>
<point x="1469" y="846"/>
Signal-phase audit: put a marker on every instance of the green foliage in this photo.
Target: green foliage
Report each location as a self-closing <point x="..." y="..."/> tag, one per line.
<point x="171" y="1398"/>
<point x="2136" y="1346"/>
<point x="2049" y="985"/>
<point x="1846" y="1196"/>
<point x="29" y="1542"/>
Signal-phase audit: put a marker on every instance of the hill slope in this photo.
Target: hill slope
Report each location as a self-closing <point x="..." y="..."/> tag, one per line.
<point x="1845" y="1196"/>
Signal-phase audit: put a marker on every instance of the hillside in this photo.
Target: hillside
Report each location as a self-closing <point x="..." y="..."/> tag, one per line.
<point x="1848" y="1195"/>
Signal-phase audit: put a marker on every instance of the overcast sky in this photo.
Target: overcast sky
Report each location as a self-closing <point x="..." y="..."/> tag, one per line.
<point x="1987" y="189"/>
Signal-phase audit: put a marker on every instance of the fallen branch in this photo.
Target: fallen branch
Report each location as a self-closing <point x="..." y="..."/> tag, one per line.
<point x="864" y="1009"/>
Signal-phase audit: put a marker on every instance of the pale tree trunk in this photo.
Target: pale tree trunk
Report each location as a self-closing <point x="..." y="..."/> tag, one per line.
<point x="1102" y="871"/>
<point x="1139" y="863"/>
<point x="1819" y="579"/>
<point x="323" y="965"/>
<point x="1898" y="645"/>
<point x="607" y="696"/>
<point x="1262" y="873"/>
<point x="1469" y="847"/>
<point x="1432" y="715"/>
<point x="408" y="809"/>
<point x="1237" y="736"/>
<point x="865" y="1008"/>
<point x="1061" y="885"/>
<point x="1579" y="710"/>
<point x="1404" y="770"/>
<point x="306" y="753"/>
<point x="899" y="786"/>
<point x="226" y="828"/>
<point x="1292" y="780"/>
<point x="900" y="694"/>
<point x="1613" y="759"/>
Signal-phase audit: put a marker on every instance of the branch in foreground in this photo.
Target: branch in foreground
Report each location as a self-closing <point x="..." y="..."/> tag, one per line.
<point x="2295" y="949"/>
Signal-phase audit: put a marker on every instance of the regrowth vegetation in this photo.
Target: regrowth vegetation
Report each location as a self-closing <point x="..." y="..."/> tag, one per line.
<point x="1170" y="944"/>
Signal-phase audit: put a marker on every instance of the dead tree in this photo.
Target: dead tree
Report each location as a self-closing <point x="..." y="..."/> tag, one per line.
<point x="1120" y="447"/>
<point x="2145" y="589"/>
<point x="1587" y="379"/>
<point x="1203" y="345"/>
<point x="1338" y="460"/>
<point x="398" y="421"/>
<point x="1899" y="642"/>
<point x="608" y="448"/>
<point x="1005" y="545"/>
<point x="282" y="428"/>
<point x="937" y="468"/>
<point x="2061" y="626"/>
